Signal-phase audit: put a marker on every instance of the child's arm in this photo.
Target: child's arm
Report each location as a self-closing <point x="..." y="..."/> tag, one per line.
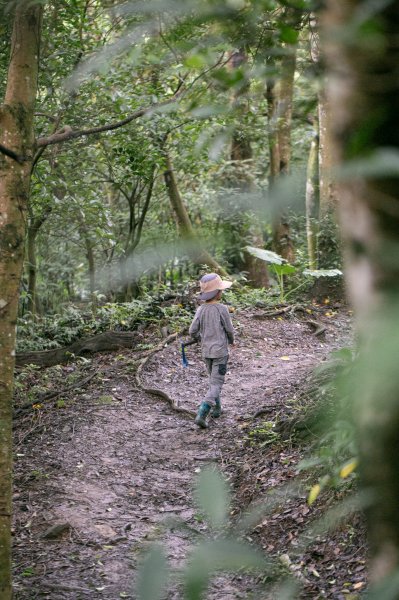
<point x="194" y="329"/>
<point x="227" y="325"/>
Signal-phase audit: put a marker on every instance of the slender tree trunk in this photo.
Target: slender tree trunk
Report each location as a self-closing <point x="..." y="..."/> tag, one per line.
<point x="328" y="195"/>
<point x="272" y="118"/>
<point x="284" y="108"/>
<point x="85" y="234"/>
<point x="363" y="95"/>
<point x="242" y="157"/>
<point x="32" y="269"/>
<point x="187" y="233"/>
<point x="280" y="98"/>
<point x="33" y="229"/>
<point x="312" y="202"/>
<point x="16" y="133"/>
<point x="328" y="243"/>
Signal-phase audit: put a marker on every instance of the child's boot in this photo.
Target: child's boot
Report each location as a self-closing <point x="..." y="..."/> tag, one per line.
<point x="202" y="413"/>
<point x="217" y="410"/>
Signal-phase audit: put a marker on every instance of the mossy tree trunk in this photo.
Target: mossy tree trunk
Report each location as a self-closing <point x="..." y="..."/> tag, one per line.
<point x="363" y="96"/>
<point x="17" y="135"/>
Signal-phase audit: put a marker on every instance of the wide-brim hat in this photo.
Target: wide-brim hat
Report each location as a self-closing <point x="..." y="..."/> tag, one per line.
<point x="211" y="284"/>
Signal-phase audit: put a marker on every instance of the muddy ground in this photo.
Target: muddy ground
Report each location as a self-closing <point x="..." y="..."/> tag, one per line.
<point x="111" y="465"/>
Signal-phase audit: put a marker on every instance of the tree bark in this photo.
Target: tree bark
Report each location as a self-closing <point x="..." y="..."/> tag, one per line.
<point x="363" y="93"/>
<point x="312" y="202"/>
<point x="328" y="193"/>
<point x="16" y="133"/>
<point x="279" y="95"/>
<point x="33" y="229"/>
<point x="242" y="158"/>
<point x="198" y="255"/>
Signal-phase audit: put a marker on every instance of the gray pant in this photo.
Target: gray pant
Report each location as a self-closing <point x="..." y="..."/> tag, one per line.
<point x="216" y="368"/>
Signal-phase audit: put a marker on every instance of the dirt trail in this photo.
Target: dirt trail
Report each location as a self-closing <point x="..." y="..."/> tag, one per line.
<point x="116" y="462"/>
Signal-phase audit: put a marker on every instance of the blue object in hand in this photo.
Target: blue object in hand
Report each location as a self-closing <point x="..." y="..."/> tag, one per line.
<point x="183" y="356"/>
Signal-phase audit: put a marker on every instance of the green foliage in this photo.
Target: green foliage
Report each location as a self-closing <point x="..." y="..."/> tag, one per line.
<point x="212" y="496"/>
<point x="281" y="268"/>
<point x="246" y="297"/>
<point x="175" y="316"/>
<point x="264" y="434"/>
<point x="73" y="323"/>
<point x="153" y="575"/>
<point x="223" y="553"/>
<point x="328" y="417"/>
<point x="329" y="244"/>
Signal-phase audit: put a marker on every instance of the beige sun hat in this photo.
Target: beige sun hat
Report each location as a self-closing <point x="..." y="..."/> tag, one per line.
<point x="211" y="284"/>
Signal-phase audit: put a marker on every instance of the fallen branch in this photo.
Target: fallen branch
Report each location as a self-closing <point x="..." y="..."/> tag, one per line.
<point x="66" y="588"/>
<point x="155" y="391"/>
<point x="110" y="340"/>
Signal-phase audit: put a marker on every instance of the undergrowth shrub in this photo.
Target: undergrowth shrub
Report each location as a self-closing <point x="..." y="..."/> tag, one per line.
<point x="326" y="418"/>
<point x="74" y="323"/>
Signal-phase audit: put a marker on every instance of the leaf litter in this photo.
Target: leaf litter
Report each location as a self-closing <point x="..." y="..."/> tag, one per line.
<point x="108" y="478"/>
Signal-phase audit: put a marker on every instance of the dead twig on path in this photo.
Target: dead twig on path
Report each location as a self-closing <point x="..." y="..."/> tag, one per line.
<point x="155" y="391"/>
<point x="66" y="588"/>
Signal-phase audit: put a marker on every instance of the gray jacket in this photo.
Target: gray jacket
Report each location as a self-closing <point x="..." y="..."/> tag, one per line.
<point x="213" y="323"/>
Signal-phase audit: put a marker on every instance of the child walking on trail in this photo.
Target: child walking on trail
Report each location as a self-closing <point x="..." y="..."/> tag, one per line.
<point x="213" y="323"/>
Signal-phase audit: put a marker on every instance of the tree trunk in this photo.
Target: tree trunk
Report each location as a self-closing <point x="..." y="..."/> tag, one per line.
<point x="280" y="98"/>
<point x="328" y="244"/>
<point x="32" y="270"/>
<point x="328" y="193"/>
<point x="242" y="158"/>
<point x="33" y="230"/>
<point x="86" y="238"/>
<point x="363" y="96"/>
<point x="312" y="202"/>
<point x="274" y="149"/>
<point x="136" y="224"/>
<point x="16" y="133"/>
<point x="198" y="255"/>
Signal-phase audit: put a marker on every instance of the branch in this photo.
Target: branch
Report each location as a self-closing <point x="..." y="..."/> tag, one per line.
<point x="67" y="133"/>
<point x="12" y="154"/>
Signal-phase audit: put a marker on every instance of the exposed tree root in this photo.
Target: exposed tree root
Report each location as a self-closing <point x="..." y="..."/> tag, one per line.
<point x="280" y="311"/>
<point x="318" y="328"/>
<point x="154" y="391"/>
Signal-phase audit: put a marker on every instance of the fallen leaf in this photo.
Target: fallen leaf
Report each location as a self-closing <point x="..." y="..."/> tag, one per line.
<point x="285" y="358"/>
<point x="313" y="494"/>
<point x="348" y="469"/>
<point x="358" y="585"/>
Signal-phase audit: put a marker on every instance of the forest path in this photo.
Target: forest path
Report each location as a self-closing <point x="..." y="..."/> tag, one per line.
<point x="117" y="462"/>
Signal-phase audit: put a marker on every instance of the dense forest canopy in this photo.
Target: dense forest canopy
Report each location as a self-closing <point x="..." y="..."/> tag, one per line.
<point x="98" y="66"/>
